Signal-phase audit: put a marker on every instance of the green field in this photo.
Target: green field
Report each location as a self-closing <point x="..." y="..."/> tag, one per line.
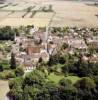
<point x="56" y="78"/>
<point x="74" y="79"/>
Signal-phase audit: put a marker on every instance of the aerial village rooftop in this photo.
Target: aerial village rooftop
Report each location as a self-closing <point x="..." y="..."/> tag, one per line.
<point x="41" y="44"/>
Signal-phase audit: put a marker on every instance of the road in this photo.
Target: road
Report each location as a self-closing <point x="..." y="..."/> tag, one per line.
<point x="4" y="88"/>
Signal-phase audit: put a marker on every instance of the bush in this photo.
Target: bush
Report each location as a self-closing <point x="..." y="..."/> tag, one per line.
<point x="19" y="71"/>
<point x="2" y="76"/>
<point x="5" y="64"/>
<point x="10" y="75"/>
<point x="1" y="68"/>
<point x="7" y="74"/>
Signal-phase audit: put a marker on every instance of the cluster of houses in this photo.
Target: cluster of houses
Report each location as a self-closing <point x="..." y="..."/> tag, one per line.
<point x="28" y="51"/>
<point x="83" y="40"/>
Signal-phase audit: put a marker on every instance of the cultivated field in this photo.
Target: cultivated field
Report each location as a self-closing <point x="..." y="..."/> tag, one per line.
<point x="74" y="14"/>
<point x="15" y="22"/>
<point x="67" y="13"/>
<point x="28" y="15"/>
<point x="4" y="14"/>
<point x="43" y="15"/>
<point x="17" y="7"/>
<point x="16" y="15"/>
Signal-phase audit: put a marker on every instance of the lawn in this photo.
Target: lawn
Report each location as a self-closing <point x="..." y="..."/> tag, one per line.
<point x="56" y="78"/>
<point x="73" y="79"/>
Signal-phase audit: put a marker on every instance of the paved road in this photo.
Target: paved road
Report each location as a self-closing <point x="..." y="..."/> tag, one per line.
<point x="4" y="88"/>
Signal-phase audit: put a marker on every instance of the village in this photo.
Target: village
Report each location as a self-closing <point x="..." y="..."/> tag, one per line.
<point x="41" y="44"/>
<point x="48" y="49"/>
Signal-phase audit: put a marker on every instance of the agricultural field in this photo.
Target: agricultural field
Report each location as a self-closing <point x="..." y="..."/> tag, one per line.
<point x="40" y="19"/>
<point x="74" y="14"/>
<point x="38" y="7"/>
<point x="67" y="13"/>
<point x="4" y="14"/>
<point x="1" y="5"/>
<point x="43" y="15"/>
<point x="13" y="8"/>
<point x="16" y="7"/>
<point x="28" y="15"/>
<point x="16" y="15"/>
<point x="16" y="22"/>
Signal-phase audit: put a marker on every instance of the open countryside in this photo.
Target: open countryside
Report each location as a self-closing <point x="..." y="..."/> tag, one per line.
<point x="39" y="13"/>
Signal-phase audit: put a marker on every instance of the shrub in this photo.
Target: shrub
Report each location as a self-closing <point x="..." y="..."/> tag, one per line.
<point x="7" y="74"/>
<point x="19" y="71"/>
<point x="10" y="75"/>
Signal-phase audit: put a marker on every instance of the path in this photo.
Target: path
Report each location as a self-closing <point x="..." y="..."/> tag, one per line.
<point x="4" y="88"/>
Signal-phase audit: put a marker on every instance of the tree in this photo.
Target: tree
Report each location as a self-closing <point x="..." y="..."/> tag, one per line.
<point x="29" y="9"/>
<point x="55" y="59"/>
<point x="16" y="31"/>
<point x="19" y="71"/>
<point x="16" y="92"/>
<point x="36" y="77"/>
<point x="64" y="46"/>
<point x="96" y="81"/>
<point x="65" y="82"/>
<point x="86" y="83"/>
<point x="50" y="8"/>
<point x="40" y="60"/>
<point x="61" y="59"/>
<point x="83" y="69"/>
<point x="95" y="68"/>
<point x="7" y="33"/>
<point x="13" y="61"/>
<point x="1" y="68"/>
<point x="86" y="89"/>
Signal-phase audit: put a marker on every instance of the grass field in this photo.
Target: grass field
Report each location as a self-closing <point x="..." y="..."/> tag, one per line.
<point x="56" y="78"/>
<point x="73" y="79"/>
